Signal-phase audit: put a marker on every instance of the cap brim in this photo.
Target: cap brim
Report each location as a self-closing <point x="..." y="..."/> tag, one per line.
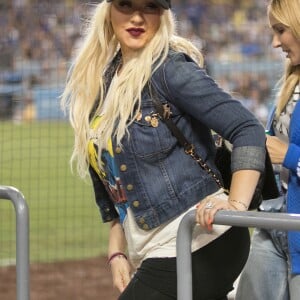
<point x="163" y="3"/>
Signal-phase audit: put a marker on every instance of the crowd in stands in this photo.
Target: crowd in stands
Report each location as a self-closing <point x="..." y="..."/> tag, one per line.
<point x="38" y="40"/>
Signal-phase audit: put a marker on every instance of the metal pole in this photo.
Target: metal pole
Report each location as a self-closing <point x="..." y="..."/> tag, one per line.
<point x="22" y="239"/>
<point x="282" y="221"/>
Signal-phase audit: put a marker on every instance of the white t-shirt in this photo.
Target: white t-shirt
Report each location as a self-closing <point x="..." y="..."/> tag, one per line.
<point x="161" y="241"/>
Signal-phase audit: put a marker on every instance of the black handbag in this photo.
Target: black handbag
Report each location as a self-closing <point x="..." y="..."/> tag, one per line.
<point x="266" y="187"/>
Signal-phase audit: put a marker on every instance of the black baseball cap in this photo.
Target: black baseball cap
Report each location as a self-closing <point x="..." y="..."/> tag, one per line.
<point x="166" y="4"/>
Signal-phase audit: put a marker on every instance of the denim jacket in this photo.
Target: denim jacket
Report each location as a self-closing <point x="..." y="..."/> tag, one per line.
<point x="160" y="180"/>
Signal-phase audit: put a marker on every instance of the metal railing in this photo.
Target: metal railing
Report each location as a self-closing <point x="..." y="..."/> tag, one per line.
<point x="22" y="239"/>
<point x="282" y="221"/>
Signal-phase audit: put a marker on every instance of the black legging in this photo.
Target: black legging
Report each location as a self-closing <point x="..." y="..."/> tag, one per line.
<point x="215" y="267"/>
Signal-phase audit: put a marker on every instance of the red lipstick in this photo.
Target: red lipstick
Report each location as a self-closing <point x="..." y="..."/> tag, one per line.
<point x="136" y="32"/>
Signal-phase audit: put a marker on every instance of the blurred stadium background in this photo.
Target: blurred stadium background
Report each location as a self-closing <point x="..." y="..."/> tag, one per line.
<point x="37" y="41"/>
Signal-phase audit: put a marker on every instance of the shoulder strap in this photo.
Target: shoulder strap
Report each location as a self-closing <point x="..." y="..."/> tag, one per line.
<point x="164" y="113"/>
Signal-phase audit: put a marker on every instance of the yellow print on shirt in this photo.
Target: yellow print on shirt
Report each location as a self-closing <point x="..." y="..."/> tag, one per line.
<point x="109" y="172"/>
<point x="92" y="149"/>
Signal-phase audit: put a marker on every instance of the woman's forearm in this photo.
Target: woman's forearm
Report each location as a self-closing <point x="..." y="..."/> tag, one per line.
<point x="117" y="241"/>
<point x="242" y="187"/>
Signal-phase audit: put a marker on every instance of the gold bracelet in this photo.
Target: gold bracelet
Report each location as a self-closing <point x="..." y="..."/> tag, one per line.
<point x="239" y="202"/>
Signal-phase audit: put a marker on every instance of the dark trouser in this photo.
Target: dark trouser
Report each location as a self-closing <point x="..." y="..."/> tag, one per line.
<point x="215" y="268"/>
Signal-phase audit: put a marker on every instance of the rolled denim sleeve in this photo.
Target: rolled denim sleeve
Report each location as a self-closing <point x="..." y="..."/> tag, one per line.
<point x="245" y="158"/>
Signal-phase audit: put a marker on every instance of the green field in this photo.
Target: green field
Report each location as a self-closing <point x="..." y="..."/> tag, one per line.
<point x="64" y="219"/>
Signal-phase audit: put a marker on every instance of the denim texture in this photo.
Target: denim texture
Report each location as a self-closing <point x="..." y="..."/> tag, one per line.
<point x="267" y="274"/>
<point x="161" y="181"/>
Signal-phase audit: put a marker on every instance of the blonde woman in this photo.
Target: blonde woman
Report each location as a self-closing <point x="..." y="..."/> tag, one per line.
<point x="273" y="268"/>
<point x="144" y="181"/>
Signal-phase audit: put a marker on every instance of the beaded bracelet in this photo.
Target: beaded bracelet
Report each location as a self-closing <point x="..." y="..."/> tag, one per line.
<point x="117" y="254"/>
<point x="239" y="202"/>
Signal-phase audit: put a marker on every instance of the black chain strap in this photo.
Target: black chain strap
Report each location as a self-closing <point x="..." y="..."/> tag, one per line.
<point x="203" y="165"/>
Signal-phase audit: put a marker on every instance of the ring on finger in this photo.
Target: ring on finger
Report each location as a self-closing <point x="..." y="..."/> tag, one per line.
<point x="209" y="205"/>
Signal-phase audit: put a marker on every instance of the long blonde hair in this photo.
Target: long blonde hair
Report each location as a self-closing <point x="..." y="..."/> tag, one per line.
<point x="85" y="82"/>
<point x="287" y="13"/>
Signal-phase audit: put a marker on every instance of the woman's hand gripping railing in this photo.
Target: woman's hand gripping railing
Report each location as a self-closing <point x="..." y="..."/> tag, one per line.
<point x="234" y="218"/>
<point x="22" y="239"/>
